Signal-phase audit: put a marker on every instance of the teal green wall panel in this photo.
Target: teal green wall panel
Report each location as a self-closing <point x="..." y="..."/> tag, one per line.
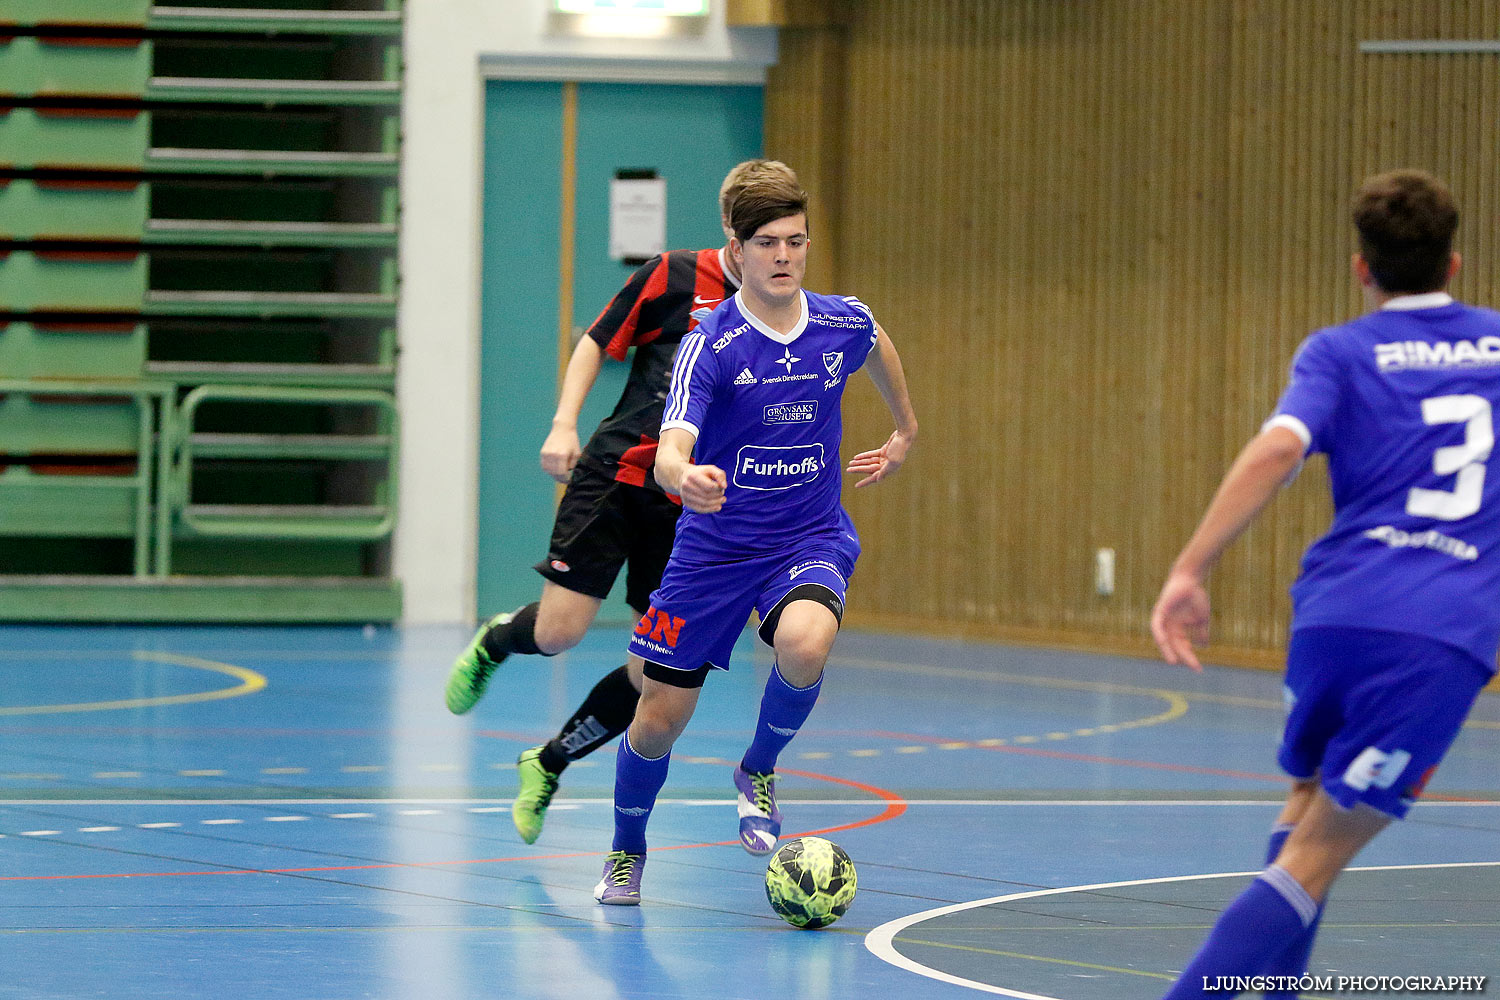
<point x="518" y="355"/>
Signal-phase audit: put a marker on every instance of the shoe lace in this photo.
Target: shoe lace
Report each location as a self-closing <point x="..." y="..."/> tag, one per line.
<point x="531" y="766"/>
<point x="761" y="785"/>
<point x="483" y="667"/>
<point x="622" y="866"/>
<point x="549" y="788"/>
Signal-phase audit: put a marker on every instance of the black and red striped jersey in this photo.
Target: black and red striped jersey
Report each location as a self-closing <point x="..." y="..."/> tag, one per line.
<point x="661" y="303"/>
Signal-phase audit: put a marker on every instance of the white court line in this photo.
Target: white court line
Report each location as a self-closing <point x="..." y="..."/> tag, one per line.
<point x="881" y="940"/>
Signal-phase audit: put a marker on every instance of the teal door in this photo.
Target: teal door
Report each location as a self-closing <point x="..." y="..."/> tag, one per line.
<point x="690" y="135"/>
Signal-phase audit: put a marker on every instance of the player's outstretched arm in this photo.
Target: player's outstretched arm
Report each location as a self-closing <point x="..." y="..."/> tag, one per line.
<point x="884" y="366"/>
<point x="1180" y="617"/>
<point x="700" y="486"/>
<point x="561" y="450"/>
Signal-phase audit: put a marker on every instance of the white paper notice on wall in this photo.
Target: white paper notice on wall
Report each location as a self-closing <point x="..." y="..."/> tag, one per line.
<point x="637" y="216"/>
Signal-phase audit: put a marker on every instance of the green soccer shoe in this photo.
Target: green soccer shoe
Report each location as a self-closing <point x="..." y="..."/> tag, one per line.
<point x="538" y="785"/>
<point x="471" y="671"/>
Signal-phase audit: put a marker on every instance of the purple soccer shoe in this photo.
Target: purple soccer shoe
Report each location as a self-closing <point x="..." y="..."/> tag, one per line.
<point x="620" y="885"/>
<point x="760" y="820"/>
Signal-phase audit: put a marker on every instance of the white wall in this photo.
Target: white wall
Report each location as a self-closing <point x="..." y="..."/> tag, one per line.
<point x="451" y="47"/>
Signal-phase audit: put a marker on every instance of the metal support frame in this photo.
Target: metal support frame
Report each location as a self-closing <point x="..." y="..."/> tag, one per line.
<point x="150" y="399"/>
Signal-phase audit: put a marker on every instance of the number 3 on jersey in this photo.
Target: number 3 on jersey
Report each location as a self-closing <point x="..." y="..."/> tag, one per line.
<point x="1465" y="460"/>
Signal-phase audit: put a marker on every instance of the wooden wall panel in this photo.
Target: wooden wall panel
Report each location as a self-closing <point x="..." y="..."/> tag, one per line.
<point x="1097" y="232"/>
<point x="808" y="103"/>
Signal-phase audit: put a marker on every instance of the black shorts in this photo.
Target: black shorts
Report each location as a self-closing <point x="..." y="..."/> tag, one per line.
<point x="602" y="524"/>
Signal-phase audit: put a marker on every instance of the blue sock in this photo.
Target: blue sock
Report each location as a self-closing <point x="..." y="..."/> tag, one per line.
<point x="783" y="709"/>
<point x="1279" y="833"/>
<point x="637" y="781"/>
<point x="1293" y="961"/>
<point x="1252" y="933"/>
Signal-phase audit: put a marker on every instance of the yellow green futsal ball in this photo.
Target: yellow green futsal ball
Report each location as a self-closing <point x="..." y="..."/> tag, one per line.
<point x="810" y="882"/>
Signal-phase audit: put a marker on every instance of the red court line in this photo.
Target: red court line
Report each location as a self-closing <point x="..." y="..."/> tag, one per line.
<point x="895" y="806"/>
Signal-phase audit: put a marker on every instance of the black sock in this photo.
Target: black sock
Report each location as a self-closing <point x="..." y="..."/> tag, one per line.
<point x="604" y="714"/>
<point x="516" y="636"/>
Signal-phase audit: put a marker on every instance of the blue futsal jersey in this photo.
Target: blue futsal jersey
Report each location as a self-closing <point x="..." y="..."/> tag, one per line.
<point x="1402" y="401"/>
<point x="765" y="408"/>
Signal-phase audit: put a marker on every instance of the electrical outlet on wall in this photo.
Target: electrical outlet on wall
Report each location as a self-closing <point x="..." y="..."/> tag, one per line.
<point x="1104" y="572"/>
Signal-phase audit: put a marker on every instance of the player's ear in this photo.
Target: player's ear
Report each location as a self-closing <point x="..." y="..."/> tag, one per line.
<point x="1455" y="261"/>
<point x="736" y="248"/>
<point x="1361" y="269"/>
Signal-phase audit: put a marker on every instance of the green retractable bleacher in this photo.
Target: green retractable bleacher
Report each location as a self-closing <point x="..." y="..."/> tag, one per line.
<point x="198" y="230"/>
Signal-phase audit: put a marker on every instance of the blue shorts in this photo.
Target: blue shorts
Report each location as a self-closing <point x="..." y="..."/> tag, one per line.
<point x="1372" y="713"/>
<point x="701" y="607"/>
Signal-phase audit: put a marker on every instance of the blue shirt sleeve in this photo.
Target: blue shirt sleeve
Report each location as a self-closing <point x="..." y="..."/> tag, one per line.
<point x="695" y="376"/>
<point x="1311" y="398"/>
<point x="864" y="310"/>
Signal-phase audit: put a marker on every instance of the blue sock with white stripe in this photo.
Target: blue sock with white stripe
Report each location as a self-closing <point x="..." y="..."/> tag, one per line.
<point x="638" y="780"/>
<point x="1293" y="961"/>
<point x="783" y="710"/>
<point x="1249" y="936"/>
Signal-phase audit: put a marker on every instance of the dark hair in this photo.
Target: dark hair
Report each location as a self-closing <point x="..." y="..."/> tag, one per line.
<point x="745" y="174"/>
<point x="765" y="202"/>
<point x="1406" y="220"/>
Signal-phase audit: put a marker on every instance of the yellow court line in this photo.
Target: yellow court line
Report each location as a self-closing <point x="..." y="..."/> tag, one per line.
<point x="1171" y="694"/>
<point x="250" y="682"/>
<point x="1240" y="701"/>
<point x="1177" y="701"/>
<point x="1236" y="700"/>
<point x="924" y="669"/>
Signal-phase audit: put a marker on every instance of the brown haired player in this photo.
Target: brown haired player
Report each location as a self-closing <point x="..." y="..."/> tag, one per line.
<point x="1396" y="613"/>
<point x="613" y="512"/>
<point x="750" y="440"/>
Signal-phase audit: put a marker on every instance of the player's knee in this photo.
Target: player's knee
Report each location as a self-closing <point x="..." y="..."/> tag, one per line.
<point x="558" y="633"/>
<point x="1302" y="793"/>
<point x="802" y="628"/>
<point x="658" y="722"/>
<point x="1300" y="796"/>
<point x="802" y="650"/>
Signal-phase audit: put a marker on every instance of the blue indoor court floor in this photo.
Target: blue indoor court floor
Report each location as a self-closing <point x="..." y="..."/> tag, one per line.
<point x="291" y="812"/>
